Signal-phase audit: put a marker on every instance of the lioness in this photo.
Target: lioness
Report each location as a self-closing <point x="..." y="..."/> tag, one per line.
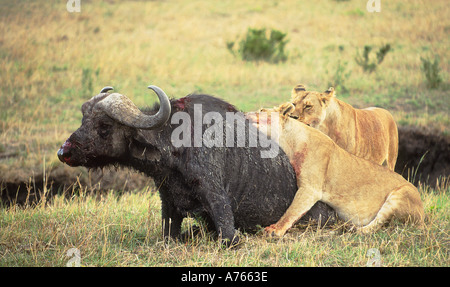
<point x="368" y="133"/>
<point x="360" y="191"/>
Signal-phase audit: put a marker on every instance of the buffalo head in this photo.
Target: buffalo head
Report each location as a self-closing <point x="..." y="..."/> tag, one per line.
<point x="110" y="121"/>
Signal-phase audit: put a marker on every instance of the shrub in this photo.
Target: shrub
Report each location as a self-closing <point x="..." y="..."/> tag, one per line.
<point x="257" y="46"/>
<point x="339" y="78"/>
<point x="431" y="71"/>
<point x="366" y="63"/>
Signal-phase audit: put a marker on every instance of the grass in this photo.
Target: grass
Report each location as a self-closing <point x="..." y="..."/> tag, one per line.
<point x="52" y="61"/>
<point x="125" y="231"/>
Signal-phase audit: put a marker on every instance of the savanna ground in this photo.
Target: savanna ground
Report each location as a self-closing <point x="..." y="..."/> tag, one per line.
<point x="51" y="61"/>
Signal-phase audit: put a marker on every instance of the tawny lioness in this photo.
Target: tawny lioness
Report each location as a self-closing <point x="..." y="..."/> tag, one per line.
<point x="360" y="191"/>
<point x="367" y="133"/>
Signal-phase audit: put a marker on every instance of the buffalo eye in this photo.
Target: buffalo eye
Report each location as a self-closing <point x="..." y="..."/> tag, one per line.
<point x="104" y="130"/>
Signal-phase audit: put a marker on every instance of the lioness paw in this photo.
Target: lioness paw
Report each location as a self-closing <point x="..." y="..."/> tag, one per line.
<point x="272" y="231"/>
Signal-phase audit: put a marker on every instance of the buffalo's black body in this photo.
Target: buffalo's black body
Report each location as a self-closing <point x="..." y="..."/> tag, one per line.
<point x="231" y="187"/>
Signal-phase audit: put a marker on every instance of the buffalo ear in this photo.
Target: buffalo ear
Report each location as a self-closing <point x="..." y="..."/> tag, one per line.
<point x="140" y="137"/>
<point x="140" y="148"/>
<point x="137" y="145"/>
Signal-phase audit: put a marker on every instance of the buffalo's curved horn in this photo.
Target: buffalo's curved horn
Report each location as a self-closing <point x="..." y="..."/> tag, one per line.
<point x="123" y="110"/>
<point x="106" y="89"/>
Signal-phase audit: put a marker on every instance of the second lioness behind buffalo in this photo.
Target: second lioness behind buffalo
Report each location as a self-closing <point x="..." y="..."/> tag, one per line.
<point x="367" y="133"/>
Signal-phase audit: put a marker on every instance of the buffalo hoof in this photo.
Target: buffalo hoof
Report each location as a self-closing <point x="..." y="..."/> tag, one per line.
<point x="231" y="243"/>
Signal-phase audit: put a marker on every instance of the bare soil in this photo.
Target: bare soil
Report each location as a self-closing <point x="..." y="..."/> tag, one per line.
<point x="424" y="155"/>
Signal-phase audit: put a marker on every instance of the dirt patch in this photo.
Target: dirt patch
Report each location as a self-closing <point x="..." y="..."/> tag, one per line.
<point x="423" y="155"/>
<point x="69" y="181"/>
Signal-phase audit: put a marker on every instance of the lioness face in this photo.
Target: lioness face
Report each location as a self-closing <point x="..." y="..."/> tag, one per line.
<point x="309" y="109"/>
<point x="307" y="106"/>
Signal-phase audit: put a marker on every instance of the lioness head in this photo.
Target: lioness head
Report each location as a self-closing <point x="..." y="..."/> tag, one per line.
<point x="308" y="107"/>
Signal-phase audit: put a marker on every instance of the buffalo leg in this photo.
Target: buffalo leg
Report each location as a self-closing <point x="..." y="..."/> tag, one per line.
<point x="171" y="220"/>
<point x="219" y="209"/>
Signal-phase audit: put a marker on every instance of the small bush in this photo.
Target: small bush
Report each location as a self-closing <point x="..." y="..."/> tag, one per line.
<point x="339" y="78"/>
<point x="366" y="63"/>
<point x="431" y="71"/>
<point x="257" y="46"/>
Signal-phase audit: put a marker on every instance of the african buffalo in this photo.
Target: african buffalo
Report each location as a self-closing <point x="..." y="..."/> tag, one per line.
<point x="229" y="186"/>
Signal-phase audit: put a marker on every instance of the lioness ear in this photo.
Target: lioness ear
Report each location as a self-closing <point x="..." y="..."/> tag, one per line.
<point x="298" y="88"/>
<point x="327" y="96"/>
<point x="286" y="108"/>
<point x="330" y="92"/>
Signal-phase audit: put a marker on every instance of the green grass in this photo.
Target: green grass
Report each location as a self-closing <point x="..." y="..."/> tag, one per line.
<point x="125" y="231"/>
<point x="52" y="61"/>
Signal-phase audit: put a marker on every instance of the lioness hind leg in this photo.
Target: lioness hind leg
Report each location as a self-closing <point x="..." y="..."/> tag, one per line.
<point x="403" y="203"/>
<point x="304" y="199"/>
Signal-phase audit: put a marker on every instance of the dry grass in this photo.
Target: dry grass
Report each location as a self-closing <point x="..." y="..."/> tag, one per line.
<point x="181" y="47"/>
<point x="125" y="231"/>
